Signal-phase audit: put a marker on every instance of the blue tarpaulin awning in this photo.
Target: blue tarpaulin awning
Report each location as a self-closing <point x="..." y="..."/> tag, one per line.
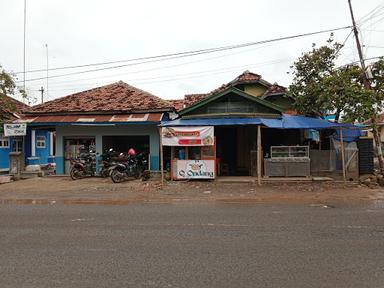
<point x="284" y="122"/>
<point x="349" y="135"/>
<point x="299" y="122"/>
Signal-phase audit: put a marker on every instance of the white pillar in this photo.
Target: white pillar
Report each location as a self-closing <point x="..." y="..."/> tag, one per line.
<point x="33" y="143"/>
<point x="259" y="156"/>
<point x="342" y="154"/>
<point x="50" y="143"/>
<point x="161" y="156"/>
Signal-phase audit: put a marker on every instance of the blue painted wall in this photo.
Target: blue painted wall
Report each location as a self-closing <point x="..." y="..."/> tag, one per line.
<point x="4" y="157"/>
<point x="98" y="131"/>
<point x="42" y="156"/>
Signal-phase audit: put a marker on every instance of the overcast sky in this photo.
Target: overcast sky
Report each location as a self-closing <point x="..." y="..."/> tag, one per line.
<point x="80" y="32"/>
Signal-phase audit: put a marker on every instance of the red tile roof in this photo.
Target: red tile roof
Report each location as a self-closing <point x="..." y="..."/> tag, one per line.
<point x="116" y="97"/>
<point x="11" y="108"/>
<point x="178" y="104"/>
<point x="191" y="99"/>
<point x="246" y="77"/>
<point x="275" y="89"/>
<point x="92" y="118"/>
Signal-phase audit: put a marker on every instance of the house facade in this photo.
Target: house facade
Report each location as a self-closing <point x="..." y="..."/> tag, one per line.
<point x="256" y="131"/>
<point x="117" y="116"/>
<point x="10" y="110"/>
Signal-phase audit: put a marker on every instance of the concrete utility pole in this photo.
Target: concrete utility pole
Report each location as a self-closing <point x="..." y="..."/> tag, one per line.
<point x="46" y="49"/>
<point x="359" y="50"/>
<point x="42" y="94"/>
<point x="375" y="131"/>
<point x="25" y="26"/>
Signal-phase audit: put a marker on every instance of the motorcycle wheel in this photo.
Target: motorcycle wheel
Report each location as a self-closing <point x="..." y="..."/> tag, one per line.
<point x="117" y="177"/>
<point x="104" y="173"/>
<point x="76" y="173"/>
<point x="137" y="174"/>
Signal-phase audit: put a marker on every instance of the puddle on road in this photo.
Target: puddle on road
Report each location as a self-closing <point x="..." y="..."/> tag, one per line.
<point x="82" y="220"/>
<point x="322" y="206"/>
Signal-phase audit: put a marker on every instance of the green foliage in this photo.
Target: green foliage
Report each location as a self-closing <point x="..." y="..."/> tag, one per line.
<point x="319" y="88"/>
<point x="311" y="72"/>
<point x="7" y="89"/>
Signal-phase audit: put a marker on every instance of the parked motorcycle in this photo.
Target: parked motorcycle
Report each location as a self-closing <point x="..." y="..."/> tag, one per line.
<point x="107" y="161"/>
<point x="84" y="166"/>
<point x="133" y="167"/>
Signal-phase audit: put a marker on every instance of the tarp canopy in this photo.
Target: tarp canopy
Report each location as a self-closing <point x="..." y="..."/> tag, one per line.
<point x="299" y="122"/>
<point x="349" y="135"/>
<point x="284" y="122"/>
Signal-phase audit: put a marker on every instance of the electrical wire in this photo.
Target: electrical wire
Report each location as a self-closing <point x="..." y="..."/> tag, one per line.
<point x="161" y="67"/>
<point x="375" y="10"/>
<point x="186" y="54"/>
<point x="193" y="74"/>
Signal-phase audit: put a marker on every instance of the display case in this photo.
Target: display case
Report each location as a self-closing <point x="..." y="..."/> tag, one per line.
<point x="288" y="161"/>
<point x="289" y="152"/>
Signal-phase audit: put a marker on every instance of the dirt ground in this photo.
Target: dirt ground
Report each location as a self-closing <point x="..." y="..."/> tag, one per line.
<point x="104" y="191"/>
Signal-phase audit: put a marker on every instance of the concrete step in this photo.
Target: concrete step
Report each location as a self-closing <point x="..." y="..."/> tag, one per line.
<point x="31" y="174"/>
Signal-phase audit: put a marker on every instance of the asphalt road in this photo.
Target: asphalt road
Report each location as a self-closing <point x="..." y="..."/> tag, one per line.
<point x="191" y="245"/>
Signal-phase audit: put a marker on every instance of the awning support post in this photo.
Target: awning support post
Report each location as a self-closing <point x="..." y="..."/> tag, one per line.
<point x="342" y="154"/>
<point x="259" y="155"/>
<point x="161" y="156"/>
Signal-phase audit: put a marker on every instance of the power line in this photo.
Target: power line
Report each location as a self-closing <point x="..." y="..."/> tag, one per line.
<point x="186" y="54"/>
<point x="373" y="30"/>
<point x="375" y="10"/>
<point x="161" y="67"/>
<point x="201" y="74"/>
<point x="220" y="70"/>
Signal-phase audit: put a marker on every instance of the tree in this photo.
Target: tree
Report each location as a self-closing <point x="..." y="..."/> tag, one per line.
<point x="7" y="89"/>
<point x="320" y="88"/>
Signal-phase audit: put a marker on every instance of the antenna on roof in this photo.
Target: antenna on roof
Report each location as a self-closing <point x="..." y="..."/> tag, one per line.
<point x="42" y="94"/>
<point x="46" y="46"/>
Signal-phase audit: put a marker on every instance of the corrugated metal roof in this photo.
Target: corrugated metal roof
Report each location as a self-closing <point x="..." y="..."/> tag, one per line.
<point x="88" y="118"/>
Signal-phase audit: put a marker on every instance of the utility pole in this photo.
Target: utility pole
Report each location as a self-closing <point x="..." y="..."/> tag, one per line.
<point x="46" y="46"/>
<point x="42" y="94"/>
<point x="367" y="85"/>
<point x="359" y="50"/>
<point x="25" y="26"/>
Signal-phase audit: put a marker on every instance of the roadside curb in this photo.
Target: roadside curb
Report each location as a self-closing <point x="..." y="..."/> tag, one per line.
<point x="243" y="201"/>
<point x="78" y="201"/>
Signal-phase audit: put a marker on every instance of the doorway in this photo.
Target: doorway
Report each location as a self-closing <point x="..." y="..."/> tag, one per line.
<point x="73" y="146"/>
<point x="234" y="149"/>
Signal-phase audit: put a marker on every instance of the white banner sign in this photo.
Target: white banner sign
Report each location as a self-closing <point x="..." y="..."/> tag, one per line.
<point x="188" y="136"/>
<point x="195" y="169"/>
<point x="15" y="130"/>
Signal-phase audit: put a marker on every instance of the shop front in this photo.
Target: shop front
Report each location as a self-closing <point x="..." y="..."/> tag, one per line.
<point x="192" y="152"/>
<point x="258" y="147"/>
<point x="71" y="140"/>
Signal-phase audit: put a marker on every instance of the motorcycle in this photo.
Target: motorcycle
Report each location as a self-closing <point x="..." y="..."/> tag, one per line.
<point x="84" y="166"/>
<point x="107" y="162"/>
<point x="132" y="167"/>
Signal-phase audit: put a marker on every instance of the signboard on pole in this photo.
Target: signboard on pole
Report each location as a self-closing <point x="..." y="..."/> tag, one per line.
<point x="188" y="136"/>
<point x="15" y="130"/>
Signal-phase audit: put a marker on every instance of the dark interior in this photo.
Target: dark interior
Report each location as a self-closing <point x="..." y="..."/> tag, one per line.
<point x="122" y="144"/>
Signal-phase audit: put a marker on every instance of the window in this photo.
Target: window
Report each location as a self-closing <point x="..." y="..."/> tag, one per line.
<point x="40" y="141"/>
<point x="4" y="141"/>
<point x="17" y="144"/>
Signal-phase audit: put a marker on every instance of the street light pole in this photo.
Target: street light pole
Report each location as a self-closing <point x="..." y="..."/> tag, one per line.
<point x="25" y="26"/>
<point x="46" y="46"/>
